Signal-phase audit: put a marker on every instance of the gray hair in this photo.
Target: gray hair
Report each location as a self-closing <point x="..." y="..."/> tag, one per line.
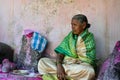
<point x="82" y="18"/>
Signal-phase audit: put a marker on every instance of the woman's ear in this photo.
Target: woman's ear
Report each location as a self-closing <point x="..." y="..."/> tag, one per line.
<point x="84" y="25"/>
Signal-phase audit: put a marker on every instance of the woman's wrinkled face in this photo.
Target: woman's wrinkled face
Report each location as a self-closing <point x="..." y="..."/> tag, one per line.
<point x="77" y="27"/>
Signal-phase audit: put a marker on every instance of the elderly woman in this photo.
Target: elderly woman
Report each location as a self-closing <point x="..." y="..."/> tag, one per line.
<point x="75" y="55"/>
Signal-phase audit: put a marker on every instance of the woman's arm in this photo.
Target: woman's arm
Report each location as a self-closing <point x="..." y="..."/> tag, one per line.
<point x="60" y="58"/>
<point x="60" y="69"/>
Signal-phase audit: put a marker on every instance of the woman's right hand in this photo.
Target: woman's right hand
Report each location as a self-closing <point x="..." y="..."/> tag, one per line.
<point x="60" y="69"/>
<point x="61" y="72"/>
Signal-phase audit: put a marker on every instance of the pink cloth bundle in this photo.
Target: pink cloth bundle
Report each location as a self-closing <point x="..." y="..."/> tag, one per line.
<point x="10" y="76"/>
<point x="7" y="65"/>
<point x="28" y="33"/>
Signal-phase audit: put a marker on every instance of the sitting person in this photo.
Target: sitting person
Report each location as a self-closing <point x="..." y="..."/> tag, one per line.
<point x="75" y="55"/>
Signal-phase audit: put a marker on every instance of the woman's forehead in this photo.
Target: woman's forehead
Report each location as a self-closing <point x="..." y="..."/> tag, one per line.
<point x="75" y="21"/>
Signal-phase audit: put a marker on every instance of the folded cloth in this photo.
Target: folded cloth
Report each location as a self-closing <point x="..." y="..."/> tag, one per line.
<point x="38" y="42"/>
<point x="110" y="69"/>
<point x="7" y="65"/>
<point x="28" y="33"/>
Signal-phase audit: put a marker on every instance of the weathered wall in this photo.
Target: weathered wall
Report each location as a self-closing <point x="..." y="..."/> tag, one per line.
<point x="52" y="18"/>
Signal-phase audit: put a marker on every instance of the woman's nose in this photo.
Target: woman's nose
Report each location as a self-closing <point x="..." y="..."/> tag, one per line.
<point x="72" y="26"/>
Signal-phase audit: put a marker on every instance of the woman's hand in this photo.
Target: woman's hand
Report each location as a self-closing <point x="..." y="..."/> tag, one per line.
<point x="61" y="72"/>
<point x="60" y="69"/>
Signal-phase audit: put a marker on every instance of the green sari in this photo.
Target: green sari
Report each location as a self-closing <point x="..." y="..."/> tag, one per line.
<point x="71" y="47"/>
<point x="76" y="49"/>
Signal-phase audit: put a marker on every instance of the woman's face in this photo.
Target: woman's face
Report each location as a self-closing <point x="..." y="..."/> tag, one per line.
<point x="77" y="27"/>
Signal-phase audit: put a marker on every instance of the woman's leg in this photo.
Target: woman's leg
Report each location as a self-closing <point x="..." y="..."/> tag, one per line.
<point x="46" y="65"/>
<point x="81" y="71"/>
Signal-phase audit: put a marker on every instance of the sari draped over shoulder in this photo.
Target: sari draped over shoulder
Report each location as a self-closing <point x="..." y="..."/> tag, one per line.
<point x="79" y="58"/>
<point x="80" y="48"/>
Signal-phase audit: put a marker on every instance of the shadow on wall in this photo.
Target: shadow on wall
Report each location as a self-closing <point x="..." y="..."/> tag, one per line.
<point x="6" y="51"/>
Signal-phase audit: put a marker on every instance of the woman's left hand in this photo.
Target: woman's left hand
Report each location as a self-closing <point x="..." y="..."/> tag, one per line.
<point x="61" y="72"/>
